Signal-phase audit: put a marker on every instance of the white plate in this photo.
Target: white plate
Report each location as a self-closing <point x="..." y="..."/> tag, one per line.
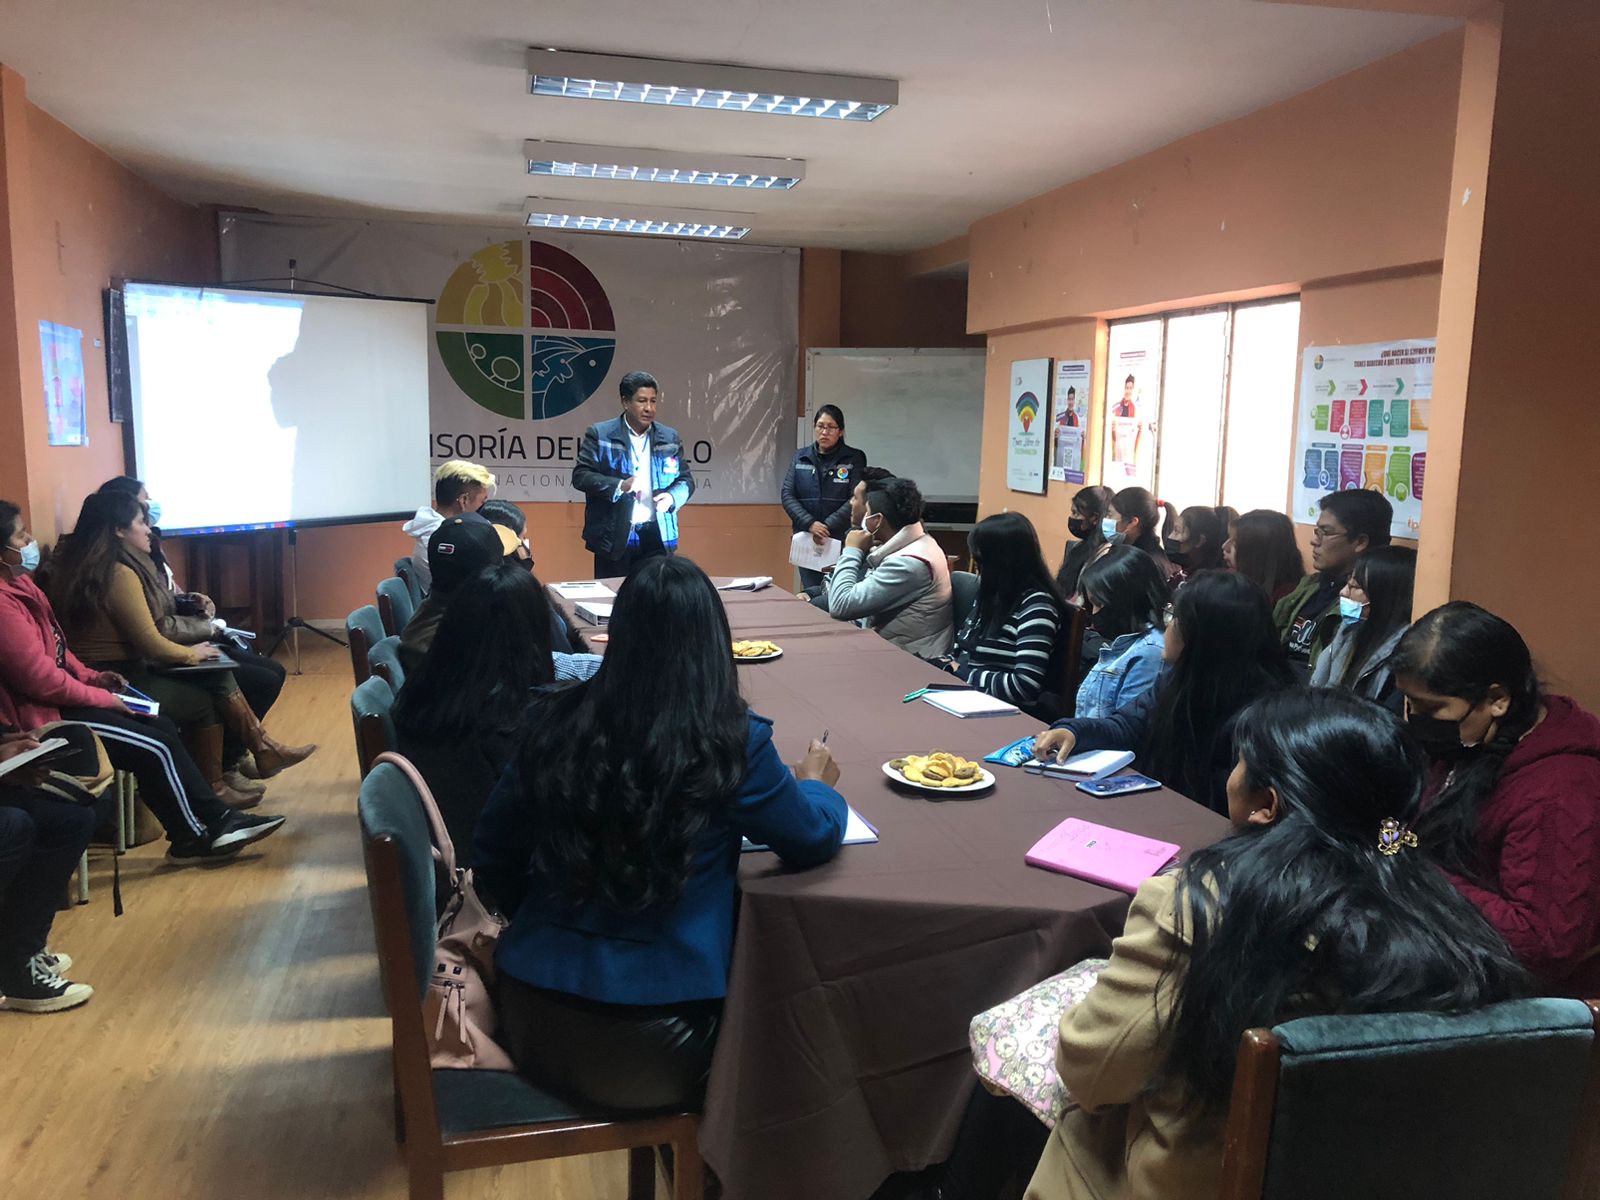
<point x="984" y="780"/>
<point x="758" y="657"/>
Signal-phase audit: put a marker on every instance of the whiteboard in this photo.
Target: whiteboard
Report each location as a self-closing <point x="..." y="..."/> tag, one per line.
<point x="917" y="412"/>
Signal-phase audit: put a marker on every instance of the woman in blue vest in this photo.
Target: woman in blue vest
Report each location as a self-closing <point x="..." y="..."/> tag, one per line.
<point x="816" y="491"/>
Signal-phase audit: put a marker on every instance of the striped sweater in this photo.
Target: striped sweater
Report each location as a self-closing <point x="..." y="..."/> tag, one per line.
<point x="1012" y="664"/>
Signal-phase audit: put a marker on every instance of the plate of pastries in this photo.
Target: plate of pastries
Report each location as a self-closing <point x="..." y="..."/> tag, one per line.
<point x="756" y="650"/>
<point x="939" y="771"/>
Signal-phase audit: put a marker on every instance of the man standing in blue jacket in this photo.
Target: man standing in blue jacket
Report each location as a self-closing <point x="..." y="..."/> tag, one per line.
<point x="635" y="477"/>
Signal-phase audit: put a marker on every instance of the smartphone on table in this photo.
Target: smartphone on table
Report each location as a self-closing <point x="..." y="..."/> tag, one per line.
<point x="1119" y="785"/>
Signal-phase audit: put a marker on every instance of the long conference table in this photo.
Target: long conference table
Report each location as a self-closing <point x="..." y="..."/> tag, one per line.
<point x="843" y="1055"/>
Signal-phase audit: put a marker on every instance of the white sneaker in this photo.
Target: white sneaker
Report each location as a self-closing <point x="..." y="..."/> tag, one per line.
<point x="43" y="991"/>
<point x="59" y="963"/>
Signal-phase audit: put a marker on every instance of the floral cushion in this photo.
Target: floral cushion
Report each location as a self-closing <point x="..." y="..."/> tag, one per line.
<point x="1014" y="1043"/>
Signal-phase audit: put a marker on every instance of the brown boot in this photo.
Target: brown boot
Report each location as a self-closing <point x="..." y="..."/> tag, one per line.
<point x="204" y="743"/>
<point x="271" y="756"/>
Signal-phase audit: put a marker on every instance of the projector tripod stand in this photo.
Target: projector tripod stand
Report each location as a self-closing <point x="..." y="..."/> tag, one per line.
<point x="295" y="623"/>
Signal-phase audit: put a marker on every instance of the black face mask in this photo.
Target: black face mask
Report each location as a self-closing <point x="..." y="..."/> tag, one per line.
<point x="1106" y="624"/>
<point x="1079" y="528"/>
<point x="1177" y="552"/>
<point x="1441" y="739"/>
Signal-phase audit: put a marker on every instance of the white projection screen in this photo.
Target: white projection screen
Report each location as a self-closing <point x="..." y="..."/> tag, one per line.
<point x="257" y="409"/>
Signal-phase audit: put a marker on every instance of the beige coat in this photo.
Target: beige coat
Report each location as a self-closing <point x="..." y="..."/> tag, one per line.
<point x="1125" y="1143"/>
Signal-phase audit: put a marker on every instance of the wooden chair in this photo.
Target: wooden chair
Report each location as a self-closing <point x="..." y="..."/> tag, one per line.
<point x="371" y="705"/>
<point x="363" y="629"/>
<point x="452" y="1120"/>
<point x="1503" y="1102"/>
<point x="394" y="605"/>
<point x="384" y="659"/>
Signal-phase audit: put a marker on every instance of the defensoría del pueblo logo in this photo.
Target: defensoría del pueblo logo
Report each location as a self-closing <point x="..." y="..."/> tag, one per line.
<point x="525" y="330"/>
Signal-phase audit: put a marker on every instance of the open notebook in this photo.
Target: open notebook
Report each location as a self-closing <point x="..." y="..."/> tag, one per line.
<point x="857" y="832"/>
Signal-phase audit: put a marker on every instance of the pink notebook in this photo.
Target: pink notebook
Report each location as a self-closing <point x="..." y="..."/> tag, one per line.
<point x="1110" y="857"/>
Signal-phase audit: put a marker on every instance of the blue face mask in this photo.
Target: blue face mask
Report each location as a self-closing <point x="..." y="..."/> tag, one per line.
<point x="30" y="557"/>
<point x="1350" y="611"/>
<point x="1108" y="526"/>
<point x="153" y="513"/>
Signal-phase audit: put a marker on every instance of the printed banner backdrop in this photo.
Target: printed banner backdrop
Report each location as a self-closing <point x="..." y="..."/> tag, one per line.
<point x="531" y="333"/>
<point x="1364" y="424"/>
<point x="1069" y="418"/>
<point x="1026" y="449"/>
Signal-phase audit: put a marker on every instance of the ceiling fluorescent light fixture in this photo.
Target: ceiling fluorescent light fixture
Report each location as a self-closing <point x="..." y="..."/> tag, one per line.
<point x="570" y="160"/>
<point x="681" y="84"/>
<point x="583" y="216"/>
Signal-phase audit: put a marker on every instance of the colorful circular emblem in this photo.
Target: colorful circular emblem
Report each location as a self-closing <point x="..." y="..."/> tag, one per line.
<point x="1027" y="409"/>
<point x="525" y="330"/>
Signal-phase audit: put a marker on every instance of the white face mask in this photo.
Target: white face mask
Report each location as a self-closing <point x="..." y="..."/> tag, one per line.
<point x="1108" y="527"/>
<point x="867" y="523"/>
<point x="153" y="513"/>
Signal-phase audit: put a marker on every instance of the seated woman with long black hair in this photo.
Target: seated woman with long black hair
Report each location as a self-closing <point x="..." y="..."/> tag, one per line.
<point x="1374" y="611"/>
<point x="1222" y="652"/>
<point x="1085" y="535"/>
<point x="1317" y="903"/>
<point x="1513" y="810"/>
<point x="1007" y="642"/>
<point x="613" y="840"/>
<point x="1195" y="537"/>
<point x="108" y="591"/>
<point x="1261" y="546"/>
<point x="1136" y="518"/>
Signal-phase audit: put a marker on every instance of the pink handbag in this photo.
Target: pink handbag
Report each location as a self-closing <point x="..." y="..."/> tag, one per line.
<point x="458" y="1013"/>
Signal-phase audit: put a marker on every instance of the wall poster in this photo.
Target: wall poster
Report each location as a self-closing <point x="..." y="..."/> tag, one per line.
<point x="1364" y="424"/>
<point x="66" y="413"/>
<point x="1069" y="419"/>
<point x="1132" y="401"/>
<point x="1025" y="448"/>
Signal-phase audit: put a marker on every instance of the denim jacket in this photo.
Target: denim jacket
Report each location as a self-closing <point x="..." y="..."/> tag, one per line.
<point x="1126" y="670"/>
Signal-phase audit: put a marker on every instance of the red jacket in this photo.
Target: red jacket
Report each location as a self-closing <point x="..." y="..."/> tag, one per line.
<point x="33" y="687"/>
<point x="1539" y="851"/>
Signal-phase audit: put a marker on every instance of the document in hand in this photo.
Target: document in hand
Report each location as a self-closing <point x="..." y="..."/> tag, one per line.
<point x="1109" y="857"/>
<point x="804" y="552"/>
<point x="857" y="832"/>
<point x="584" y="589"/>
<point x="970" y="703"/>
<point x="594" y="612"/>
<point x="746" y="583"/>
<point x="47" y="751"/>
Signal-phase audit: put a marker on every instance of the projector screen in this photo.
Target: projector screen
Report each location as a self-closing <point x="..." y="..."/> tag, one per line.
<point x="255" y="409"/>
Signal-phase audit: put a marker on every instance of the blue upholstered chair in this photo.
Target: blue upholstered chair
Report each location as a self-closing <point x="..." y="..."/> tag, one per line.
<point x="406" y="569"/>
<point x="1498" y="1104"/>
<point x="363" y="629"/>
<point x="454" y="1120"/>
<point x="394" y="605"/>
<point x="371" y="712"/>
<point x="384" y="659"/>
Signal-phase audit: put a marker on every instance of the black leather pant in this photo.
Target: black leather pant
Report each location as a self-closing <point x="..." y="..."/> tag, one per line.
<point x="616" y="1056"/>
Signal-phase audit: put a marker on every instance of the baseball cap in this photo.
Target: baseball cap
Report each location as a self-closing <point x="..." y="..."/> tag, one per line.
<point x="460" y="548"/>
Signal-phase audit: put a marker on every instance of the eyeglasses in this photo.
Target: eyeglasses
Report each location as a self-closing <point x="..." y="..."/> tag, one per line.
<point x="830" y="427"/>
<point x="1319" y="534"/>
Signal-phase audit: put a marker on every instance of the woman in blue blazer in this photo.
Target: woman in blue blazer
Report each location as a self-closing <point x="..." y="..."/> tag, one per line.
<point x="613" y="841"/>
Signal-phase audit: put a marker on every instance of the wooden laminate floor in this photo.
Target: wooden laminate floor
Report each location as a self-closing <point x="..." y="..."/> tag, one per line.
<point x="236" y="1044"/>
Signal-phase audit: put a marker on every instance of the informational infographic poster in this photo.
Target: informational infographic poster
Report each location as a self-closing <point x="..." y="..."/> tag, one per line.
<point x="1364" y="424"/>
<point x="1025" y="448"/>
<point x="1069" y="419"/>
<point x="66" y="422"/>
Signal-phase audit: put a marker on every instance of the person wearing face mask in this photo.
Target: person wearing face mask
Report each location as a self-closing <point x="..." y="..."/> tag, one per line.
<point x="1513" y="801"/>
<point x="1126" y="596"/>
<point x="1135" y="519"/>
<point x="816" y="490"/>
<point x="1349" y="524"/>
<point x="867" y="476"/>
<point x="190" y="619"/>
<point x="1374" y="612"/>
<point x="42" y="680"/>
<point x="1085" y="536"/>
<point x="893" y="575"/>
<point x="1221" y="654"/>
<point x="1195" y="537"/>
<point x="107" y="589"/>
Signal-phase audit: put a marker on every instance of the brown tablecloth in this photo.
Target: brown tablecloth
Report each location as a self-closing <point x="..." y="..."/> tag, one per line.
<point x="843" y="1056"/>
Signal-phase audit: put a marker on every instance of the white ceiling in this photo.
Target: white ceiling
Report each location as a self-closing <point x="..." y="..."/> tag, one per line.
<point x="419" y="107"/>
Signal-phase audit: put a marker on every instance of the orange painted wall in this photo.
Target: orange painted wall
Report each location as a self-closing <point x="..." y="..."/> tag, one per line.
<point x="883" y="304"/>
<point x="77" y="219"/>
<point x="1238" y="212"/>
